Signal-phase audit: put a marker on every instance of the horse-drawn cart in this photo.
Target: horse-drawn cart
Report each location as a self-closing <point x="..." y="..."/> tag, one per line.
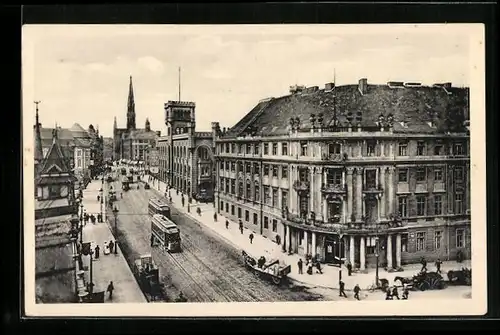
<point x="423" y="281"/>
<point x="271" y="269"/>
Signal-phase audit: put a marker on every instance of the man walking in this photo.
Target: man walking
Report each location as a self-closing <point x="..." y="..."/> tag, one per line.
<point x="299" y="265"/>
<point x="110" y="290"/>
<point x="241" y="227"/>
<point x="342" y="289"/>
<point x="356" y="292"/>
<point x="97" y="249"/>
<point x="227" y="224"/>
<point x="250" y="237"/>
<point x="438" y="265"/>
<point x="111" y="246"/>
<point x="424" y="265"/>
<point x="349" y="268"/>
<point x="215" y="217"/>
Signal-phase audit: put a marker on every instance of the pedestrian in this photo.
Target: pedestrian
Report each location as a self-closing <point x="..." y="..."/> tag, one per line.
<point x="388" y="294"/>
<point x="121" y="195"/>
<point x="227" y="224"/>
<point x="406" y="292"/>
<point x="438" y="265"/>
<point x="98" y="198"/>
<point x="170" y="199"/>
<point x="215" y="217"/>
<point x="110" y="290"/>
<point x="349" y="268"/>
<point x="182" y="201"/>
<point x="309" y="267"/>
<point x="395" y="292"/>
<point x="342" y="289"/>
<point x="318" y="268"/>
<point x="106" y="247"/>
<point x="111" y="246"/>
<point x="278" y="240"/>
<point x="189" y="208"/>
<point x="97" y="251"/>
<point x="152" y="239"/>
<point x="92" y="218"/>
<point x="240" y="223"/>
<point x="424" y="264"/>
<point x="460" y="256"/>
<point x="299" y="265"/>
<point x="250" y="237"/>
<point x="356" y="292"/>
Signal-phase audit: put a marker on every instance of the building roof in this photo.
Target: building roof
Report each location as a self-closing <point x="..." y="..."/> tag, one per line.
<point x="412" y="108"/>
<point x="55" y="162"/>
<point x="66" y="137"/>
<point x="52" y="230"/>
<point x="141" y="134"/>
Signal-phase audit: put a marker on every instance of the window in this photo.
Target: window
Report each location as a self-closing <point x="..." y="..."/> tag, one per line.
<point x="79" y="163"/>
<point x="266" y="170"/>
<point x="227" y="207"/>
<point x="420" y="148"/>
<point x="275" y="171"/>
<point x="233" y="148"/>
<point x="420" y="205"/>
<point x="459" y="173"/>
<point x="371" y="244"/>
<point x="227" y="189"/>
<point x="438" y="237"/>
<point x="233" y="166"/>
<point x="256" y="168"/>
<point x="266" y="222"/>
<point x="275" y="197"/>
<point x="438" y="174"/>
<point x="303" y="148"/>
<point x="240" y="189"/>
<point x="221" y="184"/>
<point x="438" y="205"/>
<point x="284" y="149"/>
<point x="248" y="167"/>
<point x="255" y="219"/>
<point x="247" y="216"/>
<point x="284" y="172"/>
<point x="420" y="241"/>
<point x="334" y="148"/>
<point x="256" y="149"/>
<point x="257" y="193"/>
<point x="275" y="225"/>
<point x="248" y="193"/>
<point x="403" y="149"/>
<point x="227" y="166"/>
<point x="222" y="205"/>
<point x="404" y="242"/>
<point x="232" y="209"/>
<point x="284" y="198"/>
<point x="460" y="238"/>
<point x="267" y="195"/>
<point x="403" y="206"/>
<point x="370" y="148"/>
<point x="421" y="174"/>
<point x="458" y="149"/>
<point x="334" y="177"/>
<point x="275" y="149"/>
<point x="233" y="187"/>
<point x="239" y="213"/>
<point x="402" y="175"/>
<point x="371" y="179"/>
<point x="438" y="149"/>
<point x="249" y="149"/>
<point x="303" y="175"/>
<point x="459" y="203"/>
<point x="266" y="148"/>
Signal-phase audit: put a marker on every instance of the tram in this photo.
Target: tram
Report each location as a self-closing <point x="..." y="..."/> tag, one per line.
<point x="156" y="206"/>
<point x="165" y="233"/>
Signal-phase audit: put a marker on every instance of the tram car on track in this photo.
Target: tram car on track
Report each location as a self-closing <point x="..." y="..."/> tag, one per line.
<point x="165" y="233"/>
<point x="125" y="184"/>
<point x="157" y="206"/>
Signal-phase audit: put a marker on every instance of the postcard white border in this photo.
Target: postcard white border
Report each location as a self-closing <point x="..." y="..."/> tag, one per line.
<point x="477" y="305"/>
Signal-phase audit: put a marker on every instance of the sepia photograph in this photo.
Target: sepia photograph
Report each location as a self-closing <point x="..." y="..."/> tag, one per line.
<point x="254" y="170"/>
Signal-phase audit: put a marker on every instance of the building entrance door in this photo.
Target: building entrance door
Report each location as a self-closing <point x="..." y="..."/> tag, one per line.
<point x="334" y="250"/>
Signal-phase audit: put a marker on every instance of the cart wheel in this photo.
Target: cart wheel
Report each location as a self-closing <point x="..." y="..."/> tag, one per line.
<point x="423" y="286"/>
<point x="276" y="280"/>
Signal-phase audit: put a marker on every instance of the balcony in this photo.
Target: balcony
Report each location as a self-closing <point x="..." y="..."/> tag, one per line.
<point x="337" y="158"/>
<point x="333" y="189"/>
<point x="373" y="189"/>
<point x="301" y="186"/>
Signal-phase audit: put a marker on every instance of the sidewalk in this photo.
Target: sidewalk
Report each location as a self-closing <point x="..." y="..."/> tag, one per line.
<point x="262" y="246"/>
<point x="111" y="267"/>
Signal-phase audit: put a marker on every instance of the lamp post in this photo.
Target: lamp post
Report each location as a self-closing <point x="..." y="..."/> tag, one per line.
<point x="115" y="213"/>
<point x="377" y="255"/>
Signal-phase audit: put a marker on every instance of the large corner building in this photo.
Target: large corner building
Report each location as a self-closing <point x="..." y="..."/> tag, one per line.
<point x="340" y="171"/>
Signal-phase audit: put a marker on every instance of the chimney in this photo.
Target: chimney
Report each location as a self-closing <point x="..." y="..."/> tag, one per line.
<point x="158" y="133"/>
<point x="363" y="86"/>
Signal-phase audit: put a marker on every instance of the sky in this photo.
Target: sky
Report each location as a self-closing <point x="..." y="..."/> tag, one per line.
<point x="81" y="73"/>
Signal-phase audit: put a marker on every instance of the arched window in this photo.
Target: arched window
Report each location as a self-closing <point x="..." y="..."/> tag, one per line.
<point x="240" y="189"/>
<point x="257" y="193"/>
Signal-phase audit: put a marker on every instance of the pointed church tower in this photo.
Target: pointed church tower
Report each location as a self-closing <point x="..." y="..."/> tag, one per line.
<point x="131" y="107"/>
<point x="38" y="140"/>
<point x="147" y="125"/>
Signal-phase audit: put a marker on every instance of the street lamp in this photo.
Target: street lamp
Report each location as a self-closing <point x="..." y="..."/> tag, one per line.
<point x="377" y="255"/>
<point x="115" y="213"/>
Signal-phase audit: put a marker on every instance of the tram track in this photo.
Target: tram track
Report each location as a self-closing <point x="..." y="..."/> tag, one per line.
<point x="207" y="269"/>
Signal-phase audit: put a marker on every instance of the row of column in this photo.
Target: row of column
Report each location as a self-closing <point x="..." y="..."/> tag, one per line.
<point x="362" y="247"/>
<point x="287" y="238"/>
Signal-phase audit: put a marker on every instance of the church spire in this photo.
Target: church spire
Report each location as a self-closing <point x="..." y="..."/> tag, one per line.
<point x="147" y="125"/>
<point x="38" y="137"/>
<point x="131" y="107"/>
